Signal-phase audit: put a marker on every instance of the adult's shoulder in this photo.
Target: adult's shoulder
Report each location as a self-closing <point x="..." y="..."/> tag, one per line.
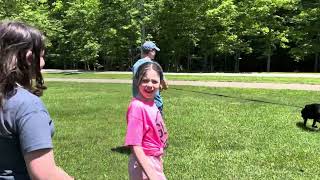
<point x="24" y="101"/>
<point x="138" y="64"/>
<point x="141" y="61"/>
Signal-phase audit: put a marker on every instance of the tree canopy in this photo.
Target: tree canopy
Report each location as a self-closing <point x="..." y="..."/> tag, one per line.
<point x="206" y="36"/>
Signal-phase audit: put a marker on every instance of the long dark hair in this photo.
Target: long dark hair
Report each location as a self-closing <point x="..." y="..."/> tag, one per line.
<point x="37" y="50"/>
<point x="16" y="39"/>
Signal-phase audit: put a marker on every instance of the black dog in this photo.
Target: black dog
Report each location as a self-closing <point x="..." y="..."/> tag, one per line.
<point x="311" y="111"/>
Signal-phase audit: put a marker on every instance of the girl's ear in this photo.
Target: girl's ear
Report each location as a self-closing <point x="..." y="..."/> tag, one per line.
<point x="29" y="57"/>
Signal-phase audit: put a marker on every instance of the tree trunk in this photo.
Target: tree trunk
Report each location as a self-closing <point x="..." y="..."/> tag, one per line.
<point x="316" y="62"/>
<point x="189" y="62"/>
<point x="237" y="62"/>
<point x="111" y="62"/>
<point x="211" y="64"/>
<point x="142" y="25"/>
<point x="316" y="58"/>
<point x="88" y="64"/>
<point x="204" y="65"/>
<point x="225" y="63"/>
<point x="105" y="64"/>
<point x="177" y="64"/>
<point x="268" y="63"/>
<point x="64" y="64"/>
<point x="269" y="52"/>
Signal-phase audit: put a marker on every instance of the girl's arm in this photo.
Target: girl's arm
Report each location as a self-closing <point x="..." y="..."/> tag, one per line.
<point x="41" y="166"/>
<point x="144" y="162"/>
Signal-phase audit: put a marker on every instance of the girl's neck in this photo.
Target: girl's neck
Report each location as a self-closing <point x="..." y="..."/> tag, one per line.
<point x="139" y="97"/>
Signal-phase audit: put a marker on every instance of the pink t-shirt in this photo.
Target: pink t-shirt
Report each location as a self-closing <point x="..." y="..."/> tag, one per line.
<point x="146" y="127"/>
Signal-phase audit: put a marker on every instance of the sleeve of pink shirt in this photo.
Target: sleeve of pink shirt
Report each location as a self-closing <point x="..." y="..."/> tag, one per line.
<point x="135" y="125"/>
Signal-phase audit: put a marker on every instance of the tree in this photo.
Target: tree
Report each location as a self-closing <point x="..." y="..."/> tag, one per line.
<point x="305" y="32"/>
<point x="271" y="24"/>
<point x="120" y="32"/>
<point x="227" y="28"/>
<point x="178" y="28"/>
<point x="81" y="22"/>
<point x="35" y="13"/>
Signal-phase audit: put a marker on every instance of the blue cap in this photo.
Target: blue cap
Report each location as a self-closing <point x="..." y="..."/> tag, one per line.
<point x="149" y="45"/>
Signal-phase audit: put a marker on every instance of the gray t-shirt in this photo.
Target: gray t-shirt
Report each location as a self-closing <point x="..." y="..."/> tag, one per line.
<point x="25" y="126"/>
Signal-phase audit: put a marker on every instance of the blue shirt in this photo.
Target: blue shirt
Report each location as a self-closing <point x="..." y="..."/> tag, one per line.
<point x="25" y="126"/>
<point x="135" y="67"/>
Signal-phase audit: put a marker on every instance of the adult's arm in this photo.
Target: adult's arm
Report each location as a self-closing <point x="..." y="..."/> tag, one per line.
<point x="144" y="162"/>
<point x="41" y="166"/>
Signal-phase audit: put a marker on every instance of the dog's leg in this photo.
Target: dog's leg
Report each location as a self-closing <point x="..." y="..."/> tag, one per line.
<point x="305" y="121"/>
<point x="314" y="123"/>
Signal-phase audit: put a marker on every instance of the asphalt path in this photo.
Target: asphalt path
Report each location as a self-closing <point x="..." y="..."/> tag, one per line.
<point x="251" y="74"/>
<point x="309" y="87"/>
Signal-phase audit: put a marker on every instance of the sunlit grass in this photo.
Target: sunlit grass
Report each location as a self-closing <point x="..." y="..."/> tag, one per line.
<point x="214" y="133"/>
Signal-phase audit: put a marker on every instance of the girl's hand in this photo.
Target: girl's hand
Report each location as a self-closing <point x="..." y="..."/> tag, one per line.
<point x="144" y="162"/>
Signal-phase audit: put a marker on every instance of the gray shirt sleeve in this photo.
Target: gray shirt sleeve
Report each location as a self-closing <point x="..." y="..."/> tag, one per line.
<point x="35" y="127"/>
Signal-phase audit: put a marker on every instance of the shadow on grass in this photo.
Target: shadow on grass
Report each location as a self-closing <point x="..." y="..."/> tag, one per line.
<point x="121" y="150"/>
<point x="310" y="129"/>
<point x="234" y="97"/>
<point x="69" y="73"/>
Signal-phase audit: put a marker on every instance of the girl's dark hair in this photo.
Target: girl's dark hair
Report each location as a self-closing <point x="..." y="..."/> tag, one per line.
<point x="142" y="70"/>
<point x="16" y="39"/>
<point x="38" y="48"/>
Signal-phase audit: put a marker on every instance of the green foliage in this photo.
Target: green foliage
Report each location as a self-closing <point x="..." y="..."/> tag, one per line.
<point x="82" y="33"/>
<point x="306" y="32"/>
<point x="270" y="24"/>
<point x="81" y="17"/>
<point x="119" y="34"/>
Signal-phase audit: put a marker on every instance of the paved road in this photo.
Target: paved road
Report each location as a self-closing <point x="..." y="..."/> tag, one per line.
<point x="253" y="74"/>
<point x="203" y="83"/>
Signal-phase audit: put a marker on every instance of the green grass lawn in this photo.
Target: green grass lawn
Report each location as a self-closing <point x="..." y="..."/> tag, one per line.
<point x="214" y="133"/>
<point x="189" y="77"/>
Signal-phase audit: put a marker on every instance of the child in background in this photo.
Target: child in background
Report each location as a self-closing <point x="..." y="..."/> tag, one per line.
<point x="149" y="50"/>
<point x="146" y="132"/>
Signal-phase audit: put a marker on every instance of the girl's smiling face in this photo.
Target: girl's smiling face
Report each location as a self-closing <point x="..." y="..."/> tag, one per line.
<point x="149" y="85"/>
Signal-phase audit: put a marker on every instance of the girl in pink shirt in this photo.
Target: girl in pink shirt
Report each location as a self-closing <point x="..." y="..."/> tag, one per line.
<point x="146" y="132"/>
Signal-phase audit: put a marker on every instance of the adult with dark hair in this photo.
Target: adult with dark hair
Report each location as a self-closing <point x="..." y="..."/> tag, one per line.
<point x="149" y="49"/>
<point x="25" y="125"/>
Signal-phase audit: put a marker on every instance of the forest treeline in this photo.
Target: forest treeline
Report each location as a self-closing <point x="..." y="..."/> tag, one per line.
<point x="193" y="35"/>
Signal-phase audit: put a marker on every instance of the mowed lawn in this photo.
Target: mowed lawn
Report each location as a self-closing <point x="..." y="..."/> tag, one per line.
<point x="214" y="133"/>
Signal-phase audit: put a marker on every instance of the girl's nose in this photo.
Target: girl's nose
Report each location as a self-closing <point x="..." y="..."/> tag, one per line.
<point x="149" y="84"/>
